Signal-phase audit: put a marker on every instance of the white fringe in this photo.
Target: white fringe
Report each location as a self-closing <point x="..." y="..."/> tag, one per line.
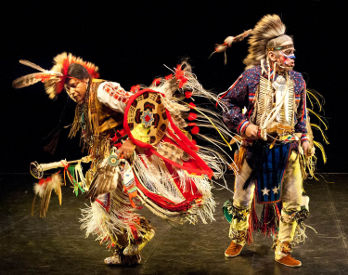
<point x="156" y="178"/>
<point x="105" y="225"/>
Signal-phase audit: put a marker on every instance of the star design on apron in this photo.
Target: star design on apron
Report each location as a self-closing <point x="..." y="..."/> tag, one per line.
<point x="265" y="191"/>
<point x="275" y="190"/>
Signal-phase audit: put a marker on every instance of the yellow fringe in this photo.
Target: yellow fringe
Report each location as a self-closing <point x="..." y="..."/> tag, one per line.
<point x="321" y="131"/>
<point x="309" y="92"/>
<point x="318" y="116"/>
<point x="321" y="148"/>
<point x="212" y="123"/>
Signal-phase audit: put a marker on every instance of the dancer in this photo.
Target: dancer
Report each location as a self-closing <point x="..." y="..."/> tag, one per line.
<point x="140" y="149"/>
<point x="266" y="105"/>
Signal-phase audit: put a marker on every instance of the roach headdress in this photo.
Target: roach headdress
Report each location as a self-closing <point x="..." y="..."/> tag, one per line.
<point x="55" y="78"/>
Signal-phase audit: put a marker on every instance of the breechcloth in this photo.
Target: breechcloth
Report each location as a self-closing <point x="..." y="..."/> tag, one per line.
<point x="290" y="193"/>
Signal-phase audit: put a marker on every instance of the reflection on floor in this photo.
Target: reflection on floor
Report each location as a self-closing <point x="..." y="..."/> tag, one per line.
<point x="56" y="245"/>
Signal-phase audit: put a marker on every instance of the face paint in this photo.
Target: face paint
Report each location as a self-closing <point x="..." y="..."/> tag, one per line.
<point x="291" y="56"/>
<point x="287" y="60"/>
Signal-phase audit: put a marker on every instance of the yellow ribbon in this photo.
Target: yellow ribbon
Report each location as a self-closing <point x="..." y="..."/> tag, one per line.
<point x="212" y="123"/>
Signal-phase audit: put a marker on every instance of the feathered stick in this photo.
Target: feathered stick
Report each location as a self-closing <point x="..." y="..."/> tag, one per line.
<point x="36" y="169"/>
<point x="228" y="43"/>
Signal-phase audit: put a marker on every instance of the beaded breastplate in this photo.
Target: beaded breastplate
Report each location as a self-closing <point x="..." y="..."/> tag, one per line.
<point x="268" y="98"/>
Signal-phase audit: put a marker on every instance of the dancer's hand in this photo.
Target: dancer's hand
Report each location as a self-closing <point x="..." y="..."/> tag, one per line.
<point x="306" y="148"/>
<point x="126" y="150"/>
<point x="251" y="131"/>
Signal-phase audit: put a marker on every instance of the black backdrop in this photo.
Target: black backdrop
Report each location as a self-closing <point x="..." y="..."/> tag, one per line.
<point x="130" y="42"/>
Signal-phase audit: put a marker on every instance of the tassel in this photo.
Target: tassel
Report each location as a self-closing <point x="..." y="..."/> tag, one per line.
<point x="188" y="94"/>
<point x="192" y="105"/>
<point x="192" y="116"/>
<point x="195" y="130"/>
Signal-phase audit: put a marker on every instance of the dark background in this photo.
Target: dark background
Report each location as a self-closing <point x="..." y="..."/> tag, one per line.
<point x="130" y="42"/>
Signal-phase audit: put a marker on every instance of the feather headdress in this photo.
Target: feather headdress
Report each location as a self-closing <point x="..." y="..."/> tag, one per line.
<point x="268" y="28"/>
<point x="55" y="78"/>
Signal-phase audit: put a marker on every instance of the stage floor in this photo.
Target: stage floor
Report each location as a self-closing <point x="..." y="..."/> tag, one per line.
<point x="56" y="245"/>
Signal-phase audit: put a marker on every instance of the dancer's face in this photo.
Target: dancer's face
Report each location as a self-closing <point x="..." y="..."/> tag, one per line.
<point x="77" y="89"/>
<point x="285" y="57"/>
